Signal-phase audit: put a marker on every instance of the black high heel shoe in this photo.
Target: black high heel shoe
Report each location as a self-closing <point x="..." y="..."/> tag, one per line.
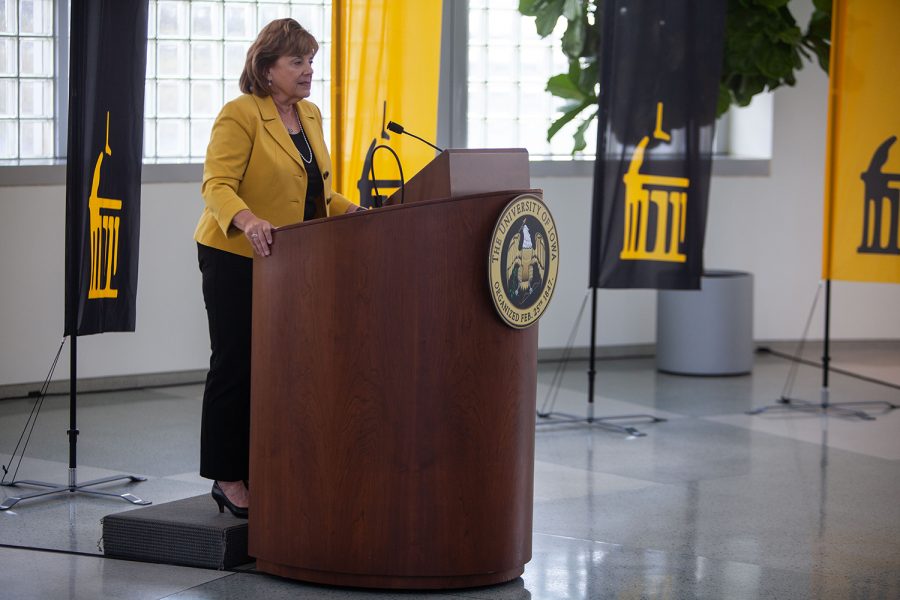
<point x="222" y="500"/>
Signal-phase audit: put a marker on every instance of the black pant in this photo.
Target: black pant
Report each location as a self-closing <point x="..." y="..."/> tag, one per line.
<point x="225" y="426"/>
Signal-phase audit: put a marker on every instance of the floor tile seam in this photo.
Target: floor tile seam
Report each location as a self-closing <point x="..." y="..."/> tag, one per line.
<point x="598" y="400"/>
<point x="645" y="482"/>
<point x="50" y="462"/>
<point x="15" y="548"/>
<point x="465" y="592"/>
<point x="185" y="475"/>
<point x="810" y="572"/>
<point x="23" y="548"/>
<point x="835" y="368"/>
<point x="199" y="585"/>
<point x="102" y="472"/>
<point x="634" y="484"/>
<point x="792" y="438"/>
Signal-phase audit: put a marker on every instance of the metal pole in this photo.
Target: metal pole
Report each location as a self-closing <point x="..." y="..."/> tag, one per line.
<point x="826" y="355"/>
<point x="74" y="224"/>
<point x="592" y="371"/>
<point x="73" y="391"/>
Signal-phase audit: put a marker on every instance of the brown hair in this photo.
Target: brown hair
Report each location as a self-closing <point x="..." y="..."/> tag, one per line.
<point x="281" y="37"/>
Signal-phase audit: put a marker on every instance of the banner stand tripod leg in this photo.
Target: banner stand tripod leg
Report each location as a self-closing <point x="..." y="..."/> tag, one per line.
<point x="73" y="486"/>
<point x="825" y="406"/>
<point x="557" y="418"/>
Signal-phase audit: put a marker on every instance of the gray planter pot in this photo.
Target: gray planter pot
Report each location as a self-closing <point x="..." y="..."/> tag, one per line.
<point x="707" y="331"/>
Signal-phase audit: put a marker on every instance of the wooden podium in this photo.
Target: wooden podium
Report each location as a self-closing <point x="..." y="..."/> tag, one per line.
<point x="392" y="427"/>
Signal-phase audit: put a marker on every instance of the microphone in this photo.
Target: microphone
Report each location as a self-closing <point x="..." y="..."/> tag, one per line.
<point x="398" y="128"/>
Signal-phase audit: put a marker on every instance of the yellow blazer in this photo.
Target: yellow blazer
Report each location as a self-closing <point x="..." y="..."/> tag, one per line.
<point x="252" y="163"/>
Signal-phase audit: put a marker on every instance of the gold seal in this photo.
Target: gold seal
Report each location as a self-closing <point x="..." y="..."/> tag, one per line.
<point x="523" y="261"/>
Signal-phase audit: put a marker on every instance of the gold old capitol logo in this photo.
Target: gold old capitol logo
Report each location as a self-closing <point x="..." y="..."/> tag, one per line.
<point x="662" y="195"/>
<point x="523" y="261"/>
<point x="104" y="228"/>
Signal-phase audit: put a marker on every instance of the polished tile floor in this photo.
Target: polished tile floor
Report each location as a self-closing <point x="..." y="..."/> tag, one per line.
<point x="712" y="503"/>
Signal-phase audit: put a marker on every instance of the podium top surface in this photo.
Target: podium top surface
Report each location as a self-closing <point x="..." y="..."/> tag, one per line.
<point x="465" y="171"/>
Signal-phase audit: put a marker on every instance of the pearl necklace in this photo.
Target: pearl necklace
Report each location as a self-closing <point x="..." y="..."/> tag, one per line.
<point x="300" y="130"/>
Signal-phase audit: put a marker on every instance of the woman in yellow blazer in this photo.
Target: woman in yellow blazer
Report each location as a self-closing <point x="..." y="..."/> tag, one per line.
<point x="266" y="166"/>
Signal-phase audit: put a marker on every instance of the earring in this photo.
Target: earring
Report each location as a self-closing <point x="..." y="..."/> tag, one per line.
<point x="270" y="83"/>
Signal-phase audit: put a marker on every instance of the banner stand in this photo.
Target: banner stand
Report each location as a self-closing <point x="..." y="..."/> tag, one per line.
<point x="100" y="30"/>
<point x="825" y="406"/>
<point x="654" y="153"/>
<point x="556" y="418"/>
<point x="73" y="293"/>
<point x="862" y="127"/>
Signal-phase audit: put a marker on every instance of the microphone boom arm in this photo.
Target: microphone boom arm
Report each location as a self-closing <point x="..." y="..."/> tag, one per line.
<point x="398" y="128"/>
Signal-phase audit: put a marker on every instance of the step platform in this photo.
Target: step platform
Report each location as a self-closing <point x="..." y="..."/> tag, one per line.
<point x="189" y="532"/>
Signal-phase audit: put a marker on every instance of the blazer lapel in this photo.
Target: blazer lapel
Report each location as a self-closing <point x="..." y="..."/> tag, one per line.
<point x="276" y="128"/>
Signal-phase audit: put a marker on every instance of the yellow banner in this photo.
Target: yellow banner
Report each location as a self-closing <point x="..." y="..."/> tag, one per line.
<point x="386" y="57"/>
<point x="862" y="181"/>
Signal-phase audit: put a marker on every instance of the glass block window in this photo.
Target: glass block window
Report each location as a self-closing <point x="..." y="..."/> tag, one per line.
<point x="27" y="46"/>
<point x="509" y="65"/>
<point x="195" y="54"/>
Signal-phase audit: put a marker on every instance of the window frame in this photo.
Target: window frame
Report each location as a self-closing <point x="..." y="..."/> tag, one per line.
<point x="56" y="82"/>
<point x="452" y="113"/>
<point x="451" y="120"/>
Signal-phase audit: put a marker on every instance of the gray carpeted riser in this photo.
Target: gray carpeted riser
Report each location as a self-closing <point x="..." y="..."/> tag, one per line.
<point x="189" y="532"/>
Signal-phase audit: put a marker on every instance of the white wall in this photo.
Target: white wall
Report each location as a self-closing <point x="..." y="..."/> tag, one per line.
<point x="770" y="226"/>
<point x="171" y="331"/>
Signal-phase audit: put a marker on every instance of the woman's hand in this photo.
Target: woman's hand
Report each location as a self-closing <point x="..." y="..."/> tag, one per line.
<point x="258" y="231"/>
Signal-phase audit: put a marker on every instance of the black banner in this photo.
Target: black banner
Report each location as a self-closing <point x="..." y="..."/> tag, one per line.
<point x="659" y="80"/>
<point x="108" y="58"/>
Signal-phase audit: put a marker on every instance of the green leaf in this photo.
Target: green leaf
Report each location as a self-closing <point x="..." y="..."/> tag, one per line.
<point x="547" y="15"/>
<point x="775" y="63"/>
<point x="572" y="105"/>
<point x="563" y="87"/>
<point x="573" y="39"/>
<point x="790" y="36"/>
<point x="772" y="4"/>
<point x="818" y="35"/>
<point x="764" y="47"/>
<point x="723" y="101"/>
<point x="589" y="79"/>
<point x="572" y="10"/>
<point x="566" y="118"/>
<point x="748" y="87"/>
<point x="819" y="26"/>
<point x="529" y="7"/>
<point x="574" y="69"/>
<point x="578" y="136"/>
<point x="822" y="50"/>
<point x="591" y="41"/>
